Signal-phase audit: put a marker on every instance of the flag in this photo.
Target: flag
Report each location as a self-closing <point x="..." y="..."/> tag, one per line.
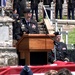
<point x="3" y="3"/>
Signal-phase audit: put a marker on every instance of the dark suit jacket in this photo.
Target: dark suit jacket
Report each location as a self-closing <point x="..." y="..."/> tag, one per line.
<point x="59" y="5"/>
<point x="34" y="3"/>
<point x="47" y="2"/>
<point x="20" y="5"/>
<point x="71" y="4"/>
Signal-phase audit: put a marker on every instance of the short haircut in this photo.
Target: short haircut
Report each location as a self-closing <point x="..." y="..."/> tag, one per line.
<point x="51" y="72"/>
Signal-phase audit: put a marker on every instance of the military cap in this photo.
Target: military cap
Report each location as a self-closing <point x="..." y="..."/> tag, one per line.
<point x="26" y="71"/>
<point x="27" y="10"/>
<point x="57" y="33"/>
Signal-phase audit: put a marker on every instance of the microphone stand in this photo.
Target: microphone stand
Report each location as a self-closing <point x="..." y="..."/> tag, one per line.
<point x="55" y="46"/>
<point x="55" y="53"/>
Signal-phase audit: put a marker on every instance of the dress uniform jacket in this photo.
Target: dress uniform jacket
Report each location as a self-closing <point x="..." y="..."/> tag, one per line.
<point x="61" y="53"/>
<point x="27" y="27"/>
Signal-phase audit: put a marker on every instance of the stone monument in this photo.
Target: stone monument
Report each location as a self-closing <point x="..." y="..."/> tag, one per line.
<point x="8" y="54"/>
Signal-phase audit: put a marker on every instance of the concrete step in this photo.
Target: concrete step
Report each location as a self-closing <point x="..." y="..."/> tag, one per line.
<point x="43" y="32"/>
<point x="42" y="29"/>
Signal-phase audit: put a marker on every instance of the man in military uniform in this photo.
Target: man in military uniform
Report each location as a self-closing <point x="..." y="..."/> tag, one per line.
<point x="60" y="51"/>
<point x="27" y="25"/>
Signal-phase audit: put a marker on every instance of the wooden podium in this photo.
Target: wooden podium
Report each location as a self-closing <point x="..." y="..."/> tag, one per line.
<point x="34" y="43"/>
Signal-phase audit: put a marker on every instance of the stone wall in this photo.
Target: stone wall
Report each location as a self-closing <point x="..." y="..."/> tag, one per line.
<point x="6" y="33"/>
<point x="8" y="57"/>
<point x="8" y="54"/>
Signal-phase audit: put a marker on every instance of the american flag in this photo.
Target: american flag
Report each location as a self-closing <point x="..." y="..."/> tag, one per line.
<point x="3" y="3"/>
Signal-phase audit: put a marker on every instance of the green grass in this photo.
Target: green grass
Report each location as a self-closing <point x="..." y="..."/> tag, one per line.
<point x="40" y="18"/>
<point x="71" y="37"/>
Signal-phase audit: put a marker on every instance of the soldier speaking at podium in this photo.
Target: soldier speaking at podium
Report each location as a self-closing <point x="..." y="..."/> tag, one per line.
<point x="60" y="51"/>
<point x="27" y="25"/>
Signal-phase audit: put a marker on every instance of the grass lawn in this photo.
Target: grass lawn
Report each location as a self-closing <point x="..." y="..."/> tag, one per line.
<point x="71" y="37"/>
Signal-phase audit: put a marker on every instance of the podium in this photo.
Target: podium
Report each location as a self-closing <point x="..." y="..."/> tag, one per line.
<point x="34" y="43"/>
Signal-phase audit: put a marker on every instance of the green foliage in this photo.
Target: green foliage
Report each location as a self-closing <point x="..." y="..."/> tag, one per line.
<point x="40" y="18"/>
<point x="71" y="37"/>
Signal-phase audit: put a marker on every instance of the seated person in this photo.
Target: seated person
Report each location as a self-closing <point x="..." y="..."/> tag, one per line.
<point x="60" y="50"/>
<point x="27" y="25"/>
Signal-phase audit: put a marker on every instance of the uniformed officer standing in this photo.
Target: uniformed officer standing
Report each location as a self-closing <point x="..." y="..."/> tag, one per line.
<point x="60" y="52"/>
<point x="27" y="26"/>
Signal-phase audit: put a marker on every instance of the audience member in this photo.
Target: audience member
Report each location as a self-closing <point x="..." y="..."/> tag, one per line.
<point x="26" y="71"/>
<point x="27" y="26"/>
<point x="51" y="72"/>
<point x="60" y="50"/>
<point x="34" y="7"/>
<point x="47" y="2"/>
<point x="58" y="8"/>
<point x="71" y="4"/>
<point x="64" y="71"/>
